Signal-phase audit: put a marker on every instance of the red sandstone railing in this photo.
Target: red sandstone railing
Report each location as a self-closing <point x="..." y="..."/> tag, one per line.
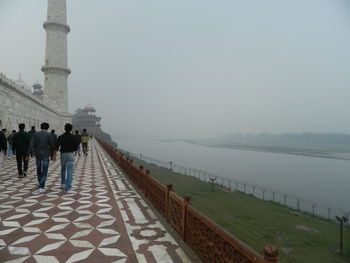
<point x="210" y="242"/>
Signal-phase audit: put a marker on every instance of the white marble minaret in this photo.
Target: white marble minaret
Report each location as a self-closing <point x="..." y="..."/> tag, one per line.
<point x="56" y="70"/>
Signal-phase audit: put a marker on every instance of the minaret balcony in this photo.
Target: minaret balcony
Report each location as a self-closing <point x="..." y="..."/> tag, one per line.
<point x="50" y="69"/>
<point x="56" y="26"/>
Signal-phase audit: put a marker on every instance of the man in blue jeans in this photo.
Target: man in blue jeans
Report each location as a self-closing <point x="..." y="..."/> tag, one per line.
<point x="41" y="146"/>
<point x="67" y="143"/>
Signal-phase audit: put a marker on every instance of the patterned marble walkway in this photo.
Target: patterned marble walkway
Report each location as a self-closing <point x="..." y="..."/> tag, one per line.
<point x="102" y="220"/>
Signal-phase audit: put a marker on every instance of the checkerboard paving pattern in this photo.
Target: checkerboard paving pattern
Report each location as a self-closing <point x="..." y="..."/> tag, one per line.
<point x="102" y="220"/>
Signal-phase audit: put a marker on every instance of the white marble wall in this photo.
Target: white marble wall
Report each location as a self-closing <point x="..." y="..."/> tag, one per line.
<point x="18" y="105"/>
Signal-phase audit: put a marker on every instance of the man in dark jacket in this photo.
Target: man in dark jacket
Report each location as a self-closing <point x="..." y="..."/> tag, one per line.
<point x="20" y="145"/>
<point x="3" y="146"/>
<point x="31" y="134"/>
<point x="76" y="134"/>
<point x="54" y="140"/>
<point x="41" y="145"/>
<point x="10" y="141"/>
<point x="67" y="143"/>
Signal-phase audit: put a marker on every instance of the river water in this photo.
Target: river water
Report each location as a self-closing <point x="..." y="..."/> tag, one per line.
<point x="321" y="180"/>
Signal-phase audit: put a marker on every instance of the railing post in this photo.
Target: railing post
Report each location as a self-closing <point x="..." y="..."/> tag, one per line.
<point x="146" y="182"/>
<point x="128" y="166"/>
<point x="271" y="254"/>
<point x="131" y="171"/>
<point x="122" y="161"/>
<point x="140" y="177"/>
<point x="167" y="200"/>
<point x="187" y="202"/>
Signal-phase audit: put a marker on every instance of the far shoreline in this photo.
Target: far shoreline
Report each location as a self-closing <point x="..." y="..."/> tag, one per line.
<point x="280" y="150"/>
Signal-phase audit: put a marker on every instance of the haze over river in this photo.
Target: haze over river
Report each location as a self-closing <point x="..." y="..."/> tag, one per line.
<point x="326" y="181"/>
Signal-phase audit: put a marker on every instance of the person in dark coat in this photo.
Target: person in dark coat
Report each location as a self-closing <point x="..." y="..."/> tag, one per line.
<point x="76" y="134"/>
<point x="54" y="140"/>
<point x="31" y="134"/>
<point x="42" y="145"/>
<point x="3" y="146"/>
<point x="10" y="151"/>
<point x="67" y="143"/>
<point x="20" y="145"/>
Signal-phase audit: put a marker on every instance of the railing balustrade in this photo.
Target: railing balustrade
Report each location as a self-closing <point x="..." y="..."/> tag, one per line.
<point x="208" y="240"/>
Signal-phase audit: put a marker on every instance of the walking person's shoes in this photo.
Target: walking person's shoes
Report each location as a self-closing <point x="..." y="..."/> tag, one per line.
<point x="24" y="173"/>
<point x="42" y="190"/>
<point x="63" y="186"/>
<point x="69" y="191"/>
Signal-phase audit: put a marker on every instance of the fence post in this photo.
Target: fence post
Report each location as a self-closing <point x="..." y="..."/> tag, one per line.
<point x="298" y="204"/>
<point x="140" y="176"/>
<point x="264" y="190"/>
<point x="187" y="202"/>
<point x="271" y="254"/>
<point x="167" y="200"/>
<point x="273" y="195"/>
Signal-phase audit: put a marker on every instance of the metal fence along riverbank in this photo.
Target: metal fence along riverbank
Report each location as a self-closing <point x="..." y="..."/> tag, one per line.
<point x="295" y="202"/>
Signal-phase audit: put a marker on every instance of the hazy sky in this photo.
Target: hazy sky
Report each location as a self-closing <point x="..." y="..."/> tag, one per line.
<point x="195" y="68"/>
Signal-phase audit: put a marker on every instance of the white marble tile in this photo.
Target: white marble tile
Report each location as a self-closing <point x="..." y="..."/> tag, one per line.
<point x="44" y="209"/>
<point x="83" y="225"/>
<point x="55" y="236"/>
<point x="35" y="222"/>
<point x="148" y="233"/>
<point x="64" y="213"/>
<point x="66" y="203"/>
<point x="83" y="218"/>
<point x="31" y="230"/>
<point x="84" y="212"/>
<point x="57" y="227"/>
<point x="79" y="256"/>
<point x="60" y="220"/>
<point x="112" y="252"/>
<point x="40" y="215"/>
<point x="18" y="250"/>
<point x="108" y="241"/>
<point x="103" y="210"/>
<point x="45" y="259"/>
<point x="106" y="223"/>
<point x="16" y="216"/>
<point x="160" y="254"/>
<point x="11" y="224"/>
<point x="81" y="243"/>
<point x="81" y="233"/>
<point x="107" y="231"/>
<point x="25" y="239"/>
<point x="51" y="247"/>
<point x="7" y="231"/>
<point x="105" y="216"/>
<point x="2" y="243"/>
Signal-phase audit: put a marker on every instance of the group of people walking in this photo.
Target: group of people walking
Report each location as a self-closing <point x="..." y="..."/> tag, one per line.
<point x="44" y="146"/>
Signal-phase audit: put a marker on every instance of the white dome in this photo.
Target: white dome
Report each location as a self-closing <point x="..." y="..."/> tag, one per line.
<point x="89" y="107"/>
<point x="23" y="84"/>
